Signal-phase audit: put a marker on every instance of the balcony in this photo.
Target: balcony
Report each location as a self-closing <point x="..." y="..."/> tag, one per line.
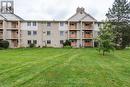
<point x="88" y="36"/>
<point x="73" y="36"/>
<point x="13" y="25"/>
<point x="14" y="35"/>
<point x="88" y="44"/>
<point x="87" y="26"/>
<point x="73" y="26"/>
<point x="73" y="44"/>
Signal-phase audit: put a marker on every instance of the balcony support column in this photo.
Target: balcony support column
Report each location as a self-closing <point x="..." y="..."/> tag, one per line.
<point x="4" y="30"/>
<point x="93" y="34"/>
<point x="81" y="35"/>
<point x="19" y="34"/>
<point x="68" y="30"/>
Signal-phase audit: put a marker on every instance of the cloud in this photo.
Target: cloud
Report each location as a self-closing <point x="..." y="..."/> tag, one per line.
<point x="60" y="9"/>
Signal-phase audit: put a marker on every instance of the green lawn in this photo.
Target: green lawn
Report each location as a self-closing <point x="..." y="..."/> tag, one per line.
<point x="51" y="67"/>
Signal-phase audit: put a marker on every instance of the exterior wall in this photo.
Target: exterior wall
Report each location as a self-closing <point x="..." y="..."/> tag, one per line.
<point x="42" y="37"/>
<point x="54" y="36"/>
<point x="25" y="37"/>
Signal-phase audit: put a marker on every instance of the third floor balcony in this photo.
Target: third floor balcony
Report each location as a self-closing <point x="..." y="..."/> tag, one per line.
<point x="73" y="26"/>
<point x="87" y="26"/>
<point x="12" y="25"/>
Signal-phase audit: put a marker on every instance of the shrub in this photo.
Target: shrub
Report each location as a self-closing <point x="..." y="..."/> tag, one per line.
<point x="67" y="43"/>
<point x="4" y="44"/>
<point x="32" y="45"/>
<point x="1" y="48"/>
<point x="67" y="46"/>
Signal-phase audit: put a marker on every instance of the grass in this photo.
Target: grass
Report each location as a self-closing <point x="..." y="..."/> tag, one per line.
<point x="51" y="67"/>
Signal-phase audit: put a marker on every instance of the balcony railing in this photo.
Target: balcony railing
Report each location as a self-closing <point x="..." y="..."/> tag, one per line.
<point x="13" y="26"/>
<point x="88" y="36"/>
<point x="72" y="28"/>
<point x="1" y="36"/>
<point x="14" y="35"/>
<point x="88" y="44"/>
<point x="73" y="43"/>
<point x="88" y="28"/>
<point x="73" y="36"/>
<point x="1" y="26"/>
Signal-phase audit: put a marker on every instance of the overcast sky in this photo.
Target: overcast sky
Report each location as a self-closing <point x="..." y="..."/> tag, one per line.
<point x="60" y="9"/>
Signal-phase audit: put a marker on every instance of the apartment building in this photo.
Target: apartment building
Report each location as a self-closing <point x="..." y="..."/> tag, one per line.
<point x="81" y="29"/>
<point x="10" y="24"/>
<point x="43" y="33"/>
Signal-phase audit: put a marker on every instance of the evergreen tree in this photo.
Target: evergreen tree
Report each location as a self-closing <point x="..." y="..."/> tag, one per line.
<point x="119" y="16"/>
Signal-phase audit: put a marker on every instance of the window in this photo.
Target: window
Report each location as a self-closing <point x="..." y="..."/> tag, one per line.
<point x="48" y="24"/>
<point x="48" y="41"/>
<point x="34" y="23"/>
<point x="88" y="32"/>
<point x="72" y="24"/>
<point x="48" y="33"/>
<point x="34" y="32"/>
<point x="29" y="32"/>
<point x="29" y="41"/>
<point x="87" y="41"/>
<point x="61" y="33"/>
<point x="61" y="23"/>
<point x="28" y="23"/>
<point x="98" y="25"/>
<point x="99" y="33"/>
<point x="34" y="41"/>
<point x="61" y="41"/>
<point x="86" y="24"/>
<point x="72" y="32"/>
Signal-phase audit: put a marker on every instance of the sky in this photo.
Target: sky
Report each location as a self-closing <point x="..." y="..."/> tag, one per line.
<point x="60" y="9"/>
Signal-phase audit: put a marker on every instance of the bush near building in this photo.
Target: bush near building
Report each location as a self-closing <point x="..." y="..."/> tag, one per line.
<point x="4" y="44"/>
<point x="67" y="44"/>
<point x="32" y="45"/>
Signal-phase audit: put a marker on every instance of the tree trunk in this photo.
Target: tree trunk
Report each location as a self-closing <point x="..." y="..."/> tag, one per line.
<point x="103" y="53"/>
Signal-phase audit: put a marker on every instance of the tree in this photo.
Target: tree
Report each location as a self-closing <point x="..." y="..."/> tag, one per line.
<point x="105" y="38"/>
<point x="119" y="16"/>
